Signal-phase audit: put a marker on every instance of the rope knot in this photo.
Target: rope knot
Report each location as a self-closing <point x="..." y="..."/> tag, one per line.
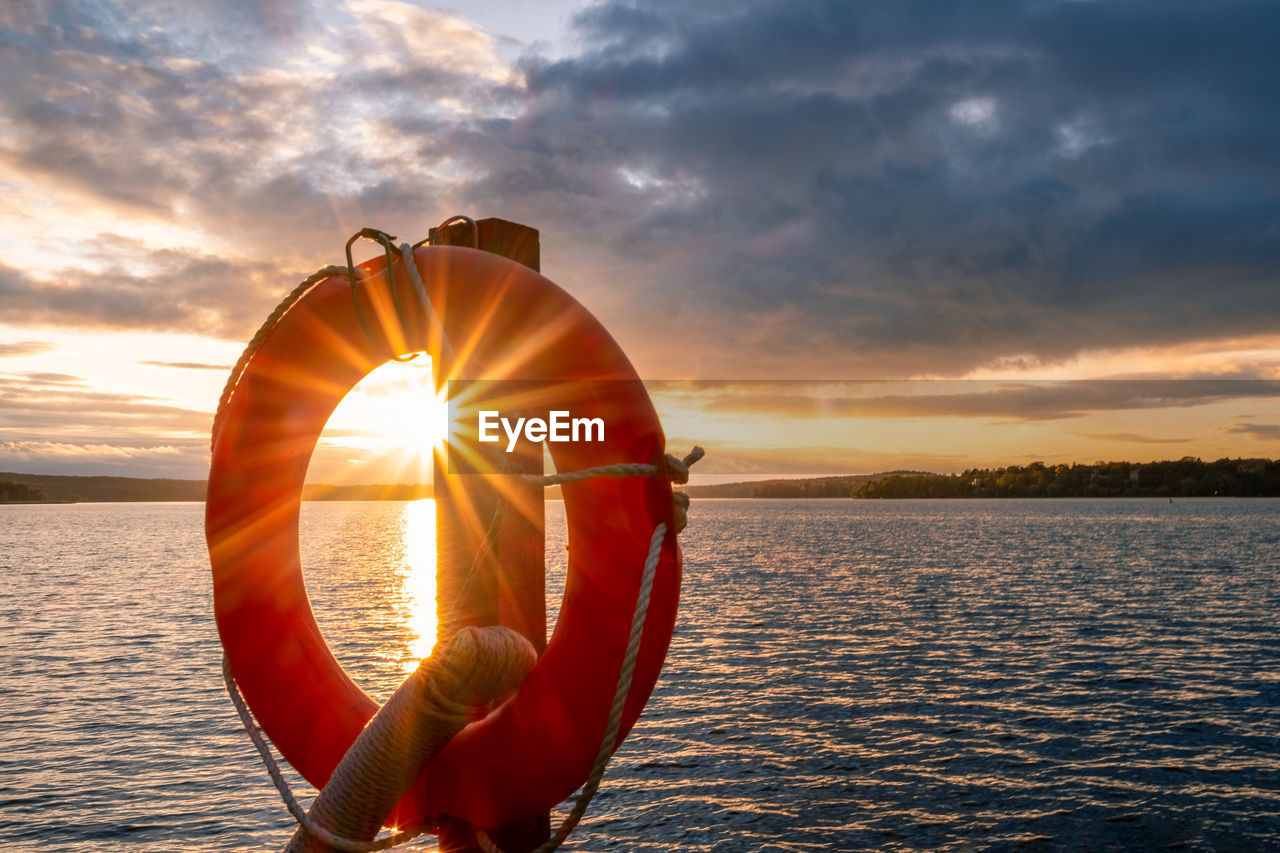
<point x="678" y="469"/>
<point x="680" y="509"/>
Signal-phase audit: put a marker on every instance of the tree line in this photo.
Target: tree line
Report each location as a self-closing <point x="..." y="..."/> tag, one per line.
<point x="1186" y="477"/>
<point x="11" y="492"/>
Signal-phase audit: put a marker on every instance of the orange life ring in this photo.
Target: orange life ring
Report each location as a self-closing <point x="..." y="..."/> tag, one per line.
<point x="535" y="749"/>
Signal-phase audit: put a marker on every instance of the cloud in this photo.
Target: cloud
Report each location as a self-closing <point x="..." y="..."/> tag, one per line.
<point x="268" y="131"/>
<point x="19" y="449"/>
<point x="63" y="407"/>
<point x="41" y="378"/>
<point x="1021" y="401"/>
<point x="1262" y="432"/>
<point x="165" y="290"/>
<point x="54" y="423"/>
<point x="24" y="347"/>
<point x="1131" y="437"/>
<point x="114" y="458"/>
<point x="188" y="365"/>
<point x="746" y="188"/>
<point x="997" y="180"/>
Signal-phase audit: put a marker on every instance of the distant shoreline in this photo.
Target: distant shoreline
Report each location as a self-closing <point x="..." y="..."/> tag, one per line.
<point x="70" y="488"/>
<point x="1183" y="478"/>
<point x="1187" y="477"/>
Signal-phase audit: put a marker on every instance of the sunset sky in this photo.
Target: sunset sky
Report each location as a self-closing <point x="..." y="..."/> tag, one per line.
<point x="788" y="197"/>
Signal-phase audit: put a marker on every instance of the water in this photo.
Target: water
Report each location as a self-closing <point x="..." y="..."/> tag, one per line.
<point x="845" y="676"/>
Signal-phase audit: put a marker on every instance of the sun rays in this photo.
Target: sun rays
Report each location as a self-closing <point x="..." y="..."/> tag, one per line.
<point x="385" y="430"/>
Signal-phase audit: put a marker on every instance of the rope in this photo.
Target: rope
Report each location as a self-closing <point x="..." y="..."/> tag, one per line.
<point x="607" y="743"/>
<point x="286" y="793"/>
<point x="433" y="704"/>
<point x="678" y="469"/>
<point x="406" y="254"/>
<point x="256" y="341"/>
<point x="442" y="345"/>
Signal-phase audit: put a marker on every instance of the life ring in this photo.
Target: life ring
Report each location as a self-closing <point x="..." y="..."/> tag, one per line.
<point x="534" y="750"/>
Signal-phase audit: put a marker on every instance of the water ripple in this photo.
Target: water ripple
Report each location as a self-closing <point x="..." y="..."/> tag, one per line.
<point x="1014" y="675"/>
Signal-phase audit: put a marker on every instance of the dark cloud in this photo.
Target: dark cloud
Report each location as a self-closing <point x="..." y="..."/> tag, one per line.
<point x="900" y="187"/>
<point x="166" y="290"/>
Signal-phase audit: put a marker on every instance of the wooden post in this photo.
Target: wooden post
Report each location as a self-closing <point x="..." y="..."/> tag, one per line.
<point x="507" y="586"/>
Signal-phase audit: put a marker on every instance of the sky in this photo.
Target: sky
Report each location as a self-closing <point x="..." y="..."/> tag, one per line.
<point x="1004" y="203"/>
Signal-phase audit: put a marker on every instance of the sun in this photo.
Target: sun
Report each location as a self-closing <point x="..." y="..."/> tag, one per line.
<point x="385" y="430"/>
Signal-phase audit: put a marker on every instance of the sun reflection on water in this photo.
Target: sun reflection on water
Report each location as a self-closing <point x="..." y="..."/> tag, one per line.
<point x="420" y="580"/>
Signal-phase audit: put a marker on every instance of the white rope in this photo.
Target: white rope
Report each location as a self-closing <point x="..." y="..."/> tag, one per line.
<point x="620" y="469"/>
<point x="615" y="711"/>
<point x="257" y="339"/>
<point x="472" y="669"/>
<point x="286" y="793"/>
<point x="444" y="349"/>
<point x="678" y="469"/>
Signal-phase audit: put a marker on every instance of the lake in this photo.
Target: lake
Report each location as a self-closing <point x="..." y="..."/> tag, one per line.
<point x="845" y="675"/>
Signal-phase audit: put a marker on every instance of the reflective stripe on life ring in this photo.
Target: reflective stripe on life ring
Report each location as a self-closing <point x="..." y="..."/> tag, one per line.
<point x="505" y="322"/>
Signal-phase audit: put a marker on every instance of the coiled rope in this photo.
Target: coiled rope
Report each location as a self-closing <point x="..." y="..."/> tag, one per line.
<point x="423" y="691"/>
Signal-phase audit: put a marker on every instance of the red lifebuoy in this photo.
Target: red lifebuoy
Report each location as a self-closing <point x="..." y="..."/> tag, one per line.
<point x="535" y="749"/>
